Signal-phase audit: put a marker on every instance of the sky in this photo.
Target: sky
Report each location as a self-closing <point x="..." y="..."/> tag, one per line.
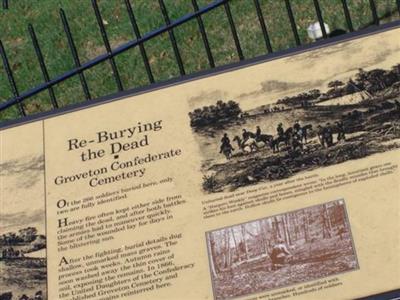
<point x="22" y="200"/>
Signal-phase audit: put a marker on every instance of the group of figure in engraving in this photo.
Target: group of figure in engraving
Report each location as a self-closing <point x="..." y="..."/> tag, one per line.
<point x="292" y="138"/>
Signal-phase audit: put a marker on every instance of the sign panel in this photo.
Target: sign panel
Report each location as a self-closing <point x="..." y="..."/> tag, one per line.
<point x="277" y="179"/>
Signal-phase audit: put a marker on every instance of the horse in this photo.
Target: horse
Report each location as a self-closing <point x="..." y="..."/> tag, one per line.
<point x="248" y="134"/>
<point x="248" y="145"/>
<point x="289" y="138"/>
<point x="265" y="138"/>
<point x="304" y="130"/>
<point x="274" y="143"/>
<point x="282" y="139"/>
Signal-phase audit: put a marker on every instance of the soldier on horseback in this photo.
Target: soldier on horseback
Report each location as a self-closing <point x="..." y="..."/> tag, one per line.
<point x="298" y="131"/>
<point x="226" y="147"/>
<point x="341" y="131"/>
<point x="258" y="132"/>
<point x="245" y="135"/>
<point x="321" y="135"/>
<point x="328" y="134"/>
<point x="280" y="130"/>
<point x="297" y="127"/>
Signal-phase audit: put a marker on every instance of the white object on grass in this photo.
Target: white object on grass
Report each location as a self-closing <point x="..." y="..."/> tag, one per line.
<point x="314" y="30"/>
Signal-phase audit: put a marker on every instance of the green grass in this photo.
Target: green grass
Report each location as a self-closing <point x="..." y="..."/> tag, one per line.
<point x="44" y="16"/>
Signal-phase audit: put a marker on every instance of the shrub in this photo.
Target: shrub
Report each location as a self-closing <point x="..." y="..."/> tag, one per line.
<point x="220" y="113"/>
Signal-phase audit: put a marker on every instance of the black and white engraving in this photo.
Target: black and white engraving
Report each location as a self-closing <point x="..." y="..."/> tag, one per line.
<point x="23" y="263"/>
<point x="285" y="128"/>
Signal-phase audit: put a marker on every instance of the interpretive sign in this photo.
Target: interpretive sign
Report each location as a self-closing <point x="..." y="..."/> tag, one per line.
<point x="273" y="179"/>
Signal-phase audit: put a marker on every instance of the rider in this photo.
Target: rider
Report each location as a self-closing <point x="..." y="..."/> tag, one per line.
<point x="341" y="132"/>
<point x="280" y="130"/>
<point x="258" y="132"/>
<point x="328" y="134"/>
<point x="225" y="143"/>
<point x="321" y="135"/>
<point x="296" y="127"/>
<point x="298" y="131"/>
<point x="279" y="254"/>
<point x="245" y="135"/>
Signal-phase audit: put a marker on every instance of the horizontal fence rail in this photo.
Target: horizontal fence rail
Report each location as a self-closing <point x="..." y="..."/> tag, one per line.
<point x="139" y="40"/>
<point x="18" y="98"/>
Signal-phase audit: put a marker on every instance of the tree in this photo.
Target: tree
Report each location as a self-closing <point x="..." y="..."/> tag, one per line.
<point x="211" y="249"/>
<point x="28" y="234"/>
<point x="227" y="249"/>
<point x="361" y="78"/>
<point x="262" y="236"/>
<point x="326" y="223"/>
<point x="305" y="226"/>
<point x="245" y="246"/>
<point x="335" y="84"/>
<point x="285" y="222"/>
<point x="277" y="232"/>
<point x="236" y="244"/>
<point x="215" y="114"/>
<point x="314" y="93"/>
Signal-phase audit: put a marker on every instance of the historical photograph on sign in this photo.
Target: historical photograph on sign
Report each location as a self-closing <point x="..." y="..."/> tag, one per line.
<point x="281" y="250"/>
<point x="286" y="126"/>
<point x="23" y="267"/>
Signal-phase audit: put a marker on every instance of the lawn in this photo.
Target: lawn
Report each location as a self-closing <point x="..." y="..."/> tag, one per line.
<point x="44" y="16"/>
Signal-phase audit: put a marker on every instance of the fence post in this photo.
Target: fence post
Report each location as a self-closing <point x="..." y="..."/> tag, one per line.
<point x="107" y="45"/>
<point x="172" y="37"/>
<point x="42" y="64"/>
<point x="138" y="36"/>
<point x="11" y="80"/>
<point x="74" y="53"/>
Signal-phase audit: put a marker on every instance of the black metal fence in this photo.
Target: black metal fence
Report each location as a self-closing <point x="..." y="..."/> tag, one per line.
<point x="79" y="67"/>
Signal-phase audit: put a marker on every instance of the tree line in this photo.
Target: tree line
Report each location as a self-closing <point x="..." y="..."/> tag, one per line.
<point x="23" y="236"/>
<point x="219" y="113"/>
<point x="371" y="82"/>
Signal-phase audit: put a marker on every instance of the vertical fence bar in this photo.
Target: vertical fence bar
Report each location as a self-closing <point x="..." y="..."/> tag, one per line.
<point x="233" y="30"/>
<point x="292" y="22"/>
<point x="263" y="26"/>
<point x="374" y="12"/>
<point x="398" y="6"/>
<point x="5" y="4"/>
<point x="172" y="37"/>
<point x="11" y="80"/>
<point x="320" y="18"/>
<point x="74" y="54"/>
<point x="42" y="64"/>
<point x="107" y="45"/>
<point x="203" y="33"/>
<point x="347" y="15"/>
<point x="136" y="30"/>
